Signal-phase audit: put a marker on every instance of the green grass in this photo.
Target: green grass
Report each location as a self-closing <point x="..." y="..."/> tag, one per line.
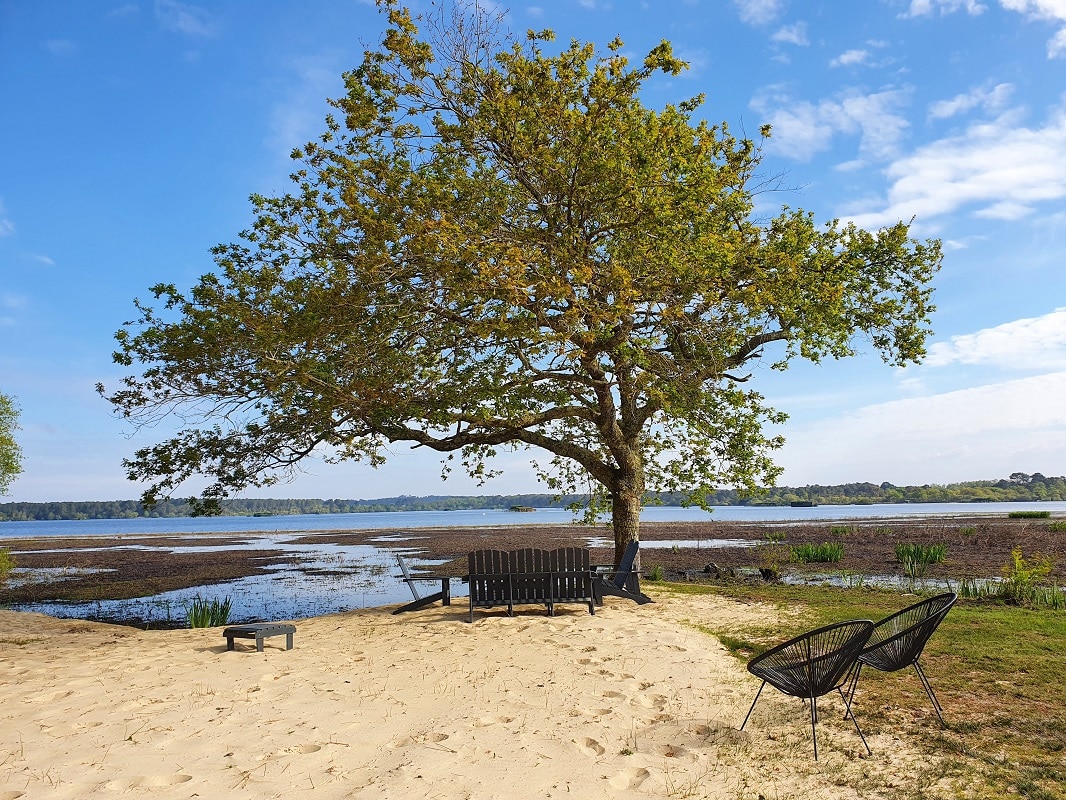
<point x="824" y="553"/>
<point x="916" y="558"/>
<point x="996" y="668"/>
<point x="1029" y="514"/>
<point x="1058" y="526"/>
<point x="207" y="614"/>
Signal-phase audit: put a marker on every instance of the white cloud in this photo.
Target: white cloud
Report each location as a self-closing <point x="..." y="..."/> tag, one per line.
<point x="184" y="18"/>
<point x="1002" y="170"/>
<point x="921" y="8"/>
<point x="299" y="115"/>
<point x="7" y="227"/>
<point x="992" y="100"/>
<point x="792" y="34"/>
<point x="123" y="10"/>
<point x="984" y="431"/>
<point x="850" y="58"/>
<point x="61" y="47"/>
<point x="535" y="11"/>
<point x="758" y="12"/>
<point x="48" y="262"/>
<point x="1032" y="343"/>
<point x="802" y="129"/>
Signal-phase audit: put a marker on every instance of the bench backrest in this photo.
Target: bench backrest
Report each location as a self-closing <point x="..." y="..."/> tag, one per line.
<point x="529" y="575"/>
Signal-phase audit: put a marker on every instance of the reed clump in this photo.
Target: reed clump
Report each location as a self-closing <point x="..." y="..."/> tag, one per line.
<point x="824" y="553"/>
<point x="916" y="558"/>
<point x="204" y="613"/>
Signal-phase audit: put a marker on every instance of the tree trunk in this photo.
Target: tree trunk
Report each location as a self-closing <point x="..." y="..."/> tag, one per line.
<point x="626" y="500"/>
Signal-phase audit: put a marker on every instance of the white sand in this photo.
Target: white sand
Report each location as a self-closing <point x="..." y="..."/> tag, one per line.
<point x="633" y="702"/>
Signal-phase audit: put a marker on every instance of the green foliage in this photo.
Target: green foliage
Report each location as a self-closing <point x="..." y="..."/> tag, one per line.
<point x="1023" y="579"/>
<point x="1029" y="514"/>
<point x="770" y="558"/>
<point x="207" y="614"/>
<point x="916" y="558"/>
<point x="1058" y="526"/>
<point x="7" y="563"/>
<point x="10" y="452"/>
<point x="775" y="537"/>
<point x="842" y="530"/>
<point x="493" y="246"/>
<point x="656" y="573"/>
<point x="825" y="553"/>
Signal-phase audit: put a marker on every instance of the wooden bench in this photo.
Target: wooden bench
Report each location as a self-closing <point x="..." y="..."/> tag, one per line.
<point x="259" y="631"/>
<point x="531" y="576"/>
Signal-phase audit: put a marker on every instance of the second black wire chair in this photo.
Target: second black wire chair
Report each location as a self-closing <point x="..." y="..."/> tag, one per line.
<point x="897" y="642"/>
<point x="811" y="665"/>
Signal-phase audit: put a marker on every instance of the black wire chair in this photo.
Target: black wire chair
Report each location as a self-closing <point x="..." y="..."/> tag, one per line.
<point x="897" y="642"/>
<point x="813" y="665"/>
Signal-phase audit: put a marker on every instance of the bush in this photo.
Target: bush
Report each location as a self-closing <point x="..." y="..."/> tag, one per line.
<point x="207" y="614"/>
<point x="1023" y="580"/>
<point x="825" y="553"/>
<point x="1058" y="526"/>
<point x="1029" y="515"/>
<point x="7" y="563"/>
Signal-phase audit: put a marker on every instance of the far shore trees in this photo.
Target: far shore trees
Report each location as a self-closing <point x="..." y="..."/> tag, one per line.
<point x="10" y="452"/>
<point x="492" y="246"/>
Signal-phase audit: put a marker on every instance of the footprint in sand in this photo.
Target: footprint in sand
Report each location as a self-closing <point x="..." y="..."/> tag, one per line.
<point x="485" y="722"/>
<point x="11" y="795"/>
<point x="303" y="749"/>
<point x="629" y="778"/>
<point x="672" y="751"/>
<point x="153" y="781"/>
<point x="589" y="747"/>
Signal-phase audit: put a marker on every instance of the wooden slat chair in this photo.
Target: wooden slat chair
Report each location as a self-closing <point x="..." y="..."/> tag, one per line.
<point x="624" y="581"/>
<point x="531" y="579"/>
<point x="489" y="574"/>
<point x="571" y="578"/>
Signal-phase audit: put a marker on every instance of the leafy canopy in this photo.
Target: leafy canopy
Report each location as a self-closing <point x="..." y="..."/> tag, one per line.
<point x="495" y="246"/>
<point x="10" y="452"/>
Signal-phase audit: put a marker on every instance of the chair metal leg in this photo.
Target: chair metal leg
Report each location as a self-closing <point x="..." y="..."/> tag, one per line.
<point x="855" y="722"/>
<point x="814" y="718"/>
<point x="853" y="684"/>
<point x="929" y="691"/>
<point x="753" y="702"/>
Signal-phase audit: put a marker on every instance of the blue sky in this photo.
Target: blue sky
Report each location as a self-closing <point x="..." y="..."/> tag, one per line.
<point x="133" y="133"/>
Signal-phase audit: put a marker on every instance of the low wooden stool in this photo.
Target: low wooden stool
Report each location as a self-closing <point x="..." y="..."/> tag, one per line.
<point x="259" y="631"/>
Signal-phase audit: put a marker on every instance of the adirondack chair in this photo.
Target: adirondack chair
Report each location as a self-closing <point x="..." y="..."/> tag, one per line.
<point x="530" y="576"/>
<point x="621" y="582"/>
<point x="420" y="601"/>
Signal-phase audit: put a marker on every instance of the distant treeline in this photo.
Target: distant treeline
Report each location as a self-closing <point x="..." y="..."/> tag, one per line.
<point x="1019" y="487"/>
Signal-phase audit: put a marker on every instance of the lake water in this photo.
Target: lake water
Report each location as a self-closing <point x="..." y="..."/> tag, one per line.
<point x="325" y="578"/>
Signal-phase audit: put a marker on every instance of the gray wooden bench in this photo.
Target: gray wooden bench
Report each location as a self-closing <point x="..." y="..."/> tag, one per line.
<point x="259" y="631"/>
<point x="530" y="575"/>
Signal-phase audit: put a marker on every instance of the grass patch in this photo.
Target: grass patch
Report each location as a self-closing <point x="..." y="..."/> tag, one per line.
<point x="1058" y="526"/>
<point x="824" y="553"/>
<point x="207" y="614"/>
<point x="1029" y="515"/>
<point x="916" y="558"/>
<point x="996" y="668"/>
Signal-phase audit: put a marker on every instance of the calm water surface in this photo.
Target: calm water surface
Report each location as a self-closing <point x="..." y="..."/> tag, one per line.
<point x="324" y="579"/>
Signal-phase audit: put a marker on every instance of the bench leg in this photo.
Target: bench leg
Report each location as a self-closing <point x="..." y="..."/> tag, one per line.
<point x="229" y="642"/>
<point x="259" y="643"/>
<point x="288" y="641"/>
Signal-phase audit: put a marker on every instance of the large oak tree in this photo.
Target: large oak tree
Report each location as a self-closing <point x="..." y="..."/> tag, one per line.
<point x="493" y="246"/>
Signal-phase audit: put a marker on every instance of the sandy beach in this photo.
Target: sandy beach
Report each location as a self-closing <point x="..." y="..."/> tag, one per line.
<point x="634" y="702"/>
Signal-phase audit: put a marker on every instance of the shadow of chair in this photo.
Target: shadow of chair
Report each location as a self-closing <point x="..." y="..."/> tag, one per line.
<point x="897" y="642"/>
<point x="811" y="665"/>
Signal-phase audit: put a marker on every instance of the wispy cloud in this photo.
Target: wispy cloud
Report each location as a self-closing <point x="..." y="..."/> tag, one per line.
<point x="802" y="129"/>
<point x="758" y="12"/>
<point x="299" y="114"/>
<point x="1053" y="11"/>
<point x="921" y="8"/>
<point x="993" y="100"/>
<point x="534" y="11"/>
<point x="795" y="33"/>
<point x="124" y="10"/>
<point x="851" y="58"/>
<point x="61" y="47"/>
<point x="184" y="18"/>
<point x="48" y="262"/>
<point x="999" y="169"/>
<point x="7" y="227"/>
<point x="1035" y="343"/>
